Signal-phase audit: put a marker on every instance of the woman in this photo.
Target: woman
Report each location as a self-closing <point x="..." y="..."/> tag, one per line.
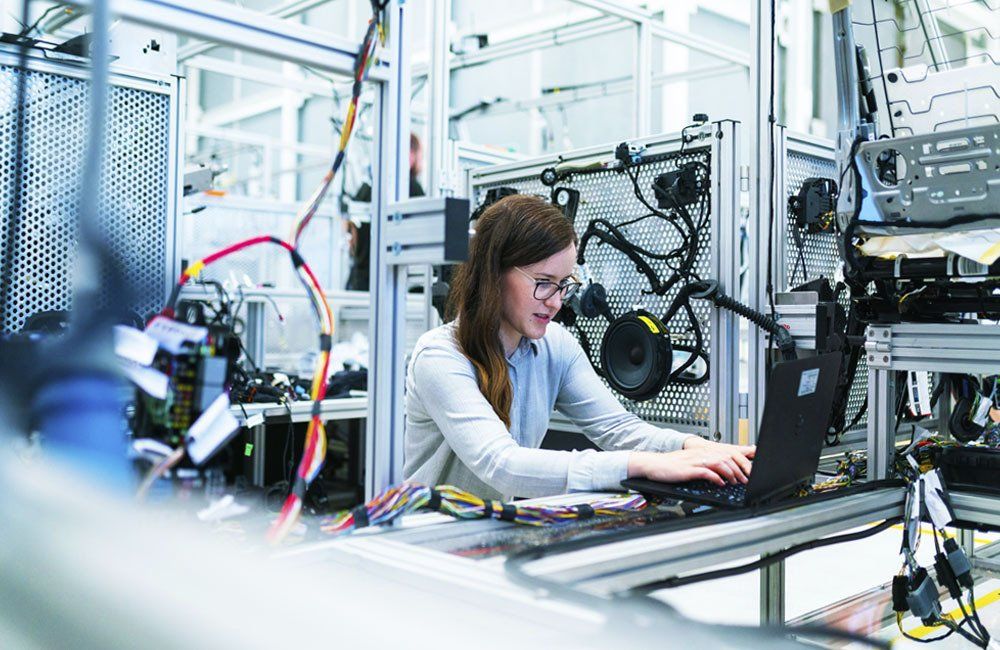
<point x="480" y="389"/>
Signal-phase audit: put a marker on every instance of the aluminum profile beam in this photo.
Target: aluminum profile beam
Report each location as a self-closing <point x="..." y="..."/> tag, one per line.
<point x="620" y="565"/>
<point x="243" y="29"/>
<point x="560" y="35"/>
<point x="387" y="328"/>
<point x="937" y="347"/>
<point x="659" y="30"/>
<point x="284" y="10"/>
<point x="606" y="88"/>
<point x="440" y="99"/>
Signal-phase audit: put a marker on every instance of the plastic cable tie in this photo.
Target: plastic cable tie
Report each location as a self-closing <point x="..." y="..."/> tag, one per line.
<point x="360" y="514"/>
<point x="434" y="503"/>
<point x="487" y="509"/>
<point x="584" y="511"/>
<point x="509" y="512"/>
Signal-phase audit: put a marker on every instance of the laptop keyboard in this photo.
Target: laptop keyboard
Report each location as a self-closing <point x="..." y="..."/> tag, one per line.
<point x="734" y="494"/>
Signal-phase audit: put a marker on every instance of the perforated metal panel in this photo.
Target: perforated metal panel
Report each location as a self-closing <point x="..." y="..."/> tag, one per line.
<point x="609" y="195"/>
<point x="133" y="204"/>
<point x="819" y="254"/>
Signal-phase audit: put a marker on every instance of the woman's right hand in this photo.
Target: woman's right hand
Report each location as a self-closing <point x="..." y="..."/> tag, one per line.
<point x="719" y="464"/>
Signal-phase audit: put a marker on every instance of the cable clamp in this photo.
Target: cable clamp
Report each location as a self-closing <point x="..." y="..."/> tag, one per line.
<point x="434" y="503"/>
<point x="299" y="488"/>
<point x="360" y="514"/>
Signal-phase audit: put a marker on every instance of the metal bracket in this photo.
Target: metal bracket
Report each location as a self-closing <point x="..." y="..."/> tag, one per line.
<point x="427" y="231"/>
<point x="878" y="347"/>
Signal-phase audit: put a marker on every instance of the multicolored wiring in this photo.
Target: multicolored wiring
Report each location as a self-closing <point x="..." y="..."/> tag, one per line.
<point x="316" y="441"/>
<point x="410" y="497"/>
<point x="315" y="444"/>
<point x="375" y="35"/>
<point x="852" y="466"/>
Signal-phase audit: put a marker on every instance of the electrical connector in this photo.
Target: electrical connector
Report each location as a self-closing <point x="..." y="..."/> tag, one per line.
<point x="946" y="576"/>
<point x="900" y="590"/>
<point x="923" y="597"/>
<point x="960" y="565"/>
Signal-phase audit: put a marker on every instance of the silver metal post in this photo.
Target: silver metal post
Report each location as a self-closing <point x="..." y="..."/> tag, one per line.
<point x="643" y="77"/>
<point x="390" y="169"/>
<point x="881" y="422"/>
<point x="762" y="188"/>
<point x="726" y="340"/>
<point x="439" y="81"/>
<point x="772" y="594"/>
<point x="254" y="336"/>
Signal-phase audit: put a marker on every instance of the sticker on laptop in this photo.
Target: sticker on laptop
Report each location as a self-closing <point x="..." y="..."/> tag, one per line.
<point x="808" y="381"/>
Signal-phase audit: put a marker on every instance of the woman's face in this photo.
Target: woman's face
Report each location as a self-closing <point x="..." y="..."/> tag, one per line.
<point x="522" y="313"/>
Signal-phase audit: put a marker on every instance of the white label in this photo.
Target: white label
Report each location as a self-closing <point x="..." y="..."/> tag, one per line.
<point x="254" y="420"/>
<point x="920" y="393"/>
<point x="935" y="499"/>
<point x="213" y="428"/>
<point x="172" y="335"/>
<point x="135" y="345"/>
<point x="982" y="411"/>
<point x="913" y="517"/>
<point x="808" y="382"/>
<point x="152" y="382"/>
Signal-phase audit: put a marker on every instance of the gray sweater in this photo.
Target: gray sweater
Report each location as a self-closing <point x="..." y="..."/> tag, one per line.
<point x="454" y="437"/>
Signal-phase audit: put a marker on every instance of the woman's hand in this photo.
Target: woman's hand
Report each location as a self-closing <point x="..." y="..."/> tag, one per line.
<point x="700" y="459"/>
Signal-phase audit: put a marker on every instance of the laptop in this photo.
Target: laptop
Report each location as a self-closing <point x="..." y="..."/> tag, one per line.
<point x="792" y="431"/>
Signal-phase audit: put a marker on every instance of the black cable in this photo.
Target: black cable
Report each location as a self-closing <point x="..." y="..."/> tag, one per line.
<point x="681" y="581"/>
<point x="771" y="120"/>
<point x="800" y="247"/>
<point x="640" y="264"/>
<point x="636" y="605"/>
<point x="27" y="30"/>
<point x="857" y="417"/>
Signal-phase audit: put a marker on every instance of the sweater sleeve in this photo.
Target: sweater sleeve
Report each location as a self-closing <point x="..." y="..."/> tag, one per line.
<point x="589" y="404"/>
<point x="446" y="383"/>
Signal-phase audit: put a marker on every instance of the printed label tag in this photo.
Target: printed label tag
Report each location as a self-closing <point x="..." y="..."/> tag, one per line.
<point x="808" y="382"/>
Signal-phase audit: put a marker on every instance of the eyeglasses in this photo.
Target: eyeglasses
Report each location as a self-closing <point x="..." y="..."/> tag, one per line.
<point x="545" y="289"/>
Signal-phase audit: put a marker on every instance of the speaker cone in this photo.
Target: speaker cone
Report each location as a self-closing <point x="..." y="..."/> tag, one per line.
<point x="636" y="355"/>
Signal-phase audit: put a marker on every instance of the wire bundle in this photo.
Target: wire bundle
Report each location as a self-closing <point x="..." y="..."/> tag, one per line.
<point x="316" y="440"/>
<point x="407" y="498"/>
<point x="315" y="444"/>
<point x="375" y="35"/>
<point x="853" y="465"/>
<point x="976" y="632"/>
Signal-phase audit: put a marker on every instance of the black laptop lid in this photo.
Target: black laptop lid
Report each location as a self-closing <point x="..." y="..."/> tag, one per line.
<point x="793" y="427"/>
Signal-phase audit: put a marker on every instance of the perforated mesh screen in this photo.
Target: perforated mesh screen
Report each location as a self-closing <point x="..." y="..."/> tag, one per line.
<point x="820" y="257"/>
<point x="133" y="194"/>
<point x="609" y="195"/>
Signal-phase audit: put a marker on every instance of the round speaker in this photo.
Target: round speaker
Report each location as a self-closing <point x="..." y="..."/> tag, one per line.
<point x="960" y="423"/>
<point x="636" y="355"/>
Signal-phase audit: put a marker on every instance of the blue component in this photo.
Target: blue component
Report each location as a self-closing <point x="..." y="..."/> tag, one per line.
<point x="81" y="421"/>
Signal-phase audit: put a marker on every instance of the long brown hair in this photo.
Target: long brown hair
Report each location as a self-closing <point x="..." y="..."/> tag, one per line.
<point x="518" y="230"/>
